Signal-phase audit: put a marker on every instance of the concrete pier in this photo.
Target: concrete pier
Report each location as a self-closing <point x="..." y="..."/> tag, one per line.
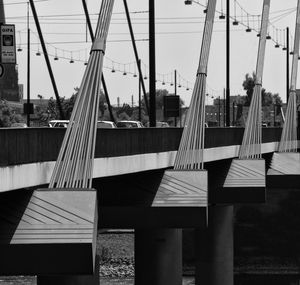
<point x="158" y="256"/>
<point x="214" y="248"/>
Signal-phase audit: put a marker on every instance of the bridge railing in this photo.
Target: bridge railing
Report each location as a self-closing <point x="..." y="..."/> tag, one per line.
<point x="28" y="145"/>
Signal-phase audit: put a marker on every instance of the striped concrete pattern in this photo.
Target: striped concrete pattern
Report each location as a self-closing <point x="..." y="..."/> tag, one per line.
<point x="246" y="173"/>
<point x="180" y="188"/>
<point x="50" y="217"/>
<point x="285" y="163"/>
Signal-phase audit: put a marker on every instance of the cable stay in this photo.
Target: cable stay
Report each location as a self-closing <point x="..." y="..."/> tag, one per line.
<point x="245" y="180"/>
<point x="69" y="205"/>
<point x="187" y="184"/>
<point x="287" y="160"/>
<point x="74" y="166"/>
<point x="288" y="141"/>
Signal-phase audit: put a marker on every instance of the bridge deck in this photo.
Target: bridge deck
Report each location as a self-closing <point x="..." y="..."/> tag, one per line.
<point x="118" y="151"/>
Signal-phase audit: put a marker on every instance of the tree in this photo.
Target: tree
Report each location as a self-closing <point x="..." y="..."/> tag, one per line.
<point x="248" y="85"/>
<point x="267" y="97"/>
<point x="7" y="115"/>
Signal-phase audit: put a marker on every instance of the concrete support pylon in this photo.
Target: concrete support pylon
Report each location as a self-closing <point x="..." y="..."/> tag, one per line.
<point x="72" y="279"/>
<point x="214" y="248"/>
<point x="158" y="256"/>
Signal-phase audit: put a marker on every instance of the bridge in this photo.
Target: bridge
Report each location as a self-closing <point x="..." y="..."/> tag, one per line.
<point x="59" y="186"/>
<point x="118" y="151"/>
<point x="129" y="166"/>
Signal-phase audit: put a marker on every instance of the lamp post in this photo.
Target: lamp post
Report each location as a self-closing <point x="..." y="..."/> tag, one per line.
<point x="28" y="68"/>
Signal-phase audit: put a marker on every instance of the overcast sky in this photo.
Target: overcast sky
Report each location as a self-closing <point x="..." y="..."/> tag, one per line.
<point x="178" y="41"/>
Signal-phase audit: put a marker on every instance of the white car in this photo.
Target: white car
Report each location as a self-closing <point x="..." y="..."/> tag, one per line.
<point x="58" y="123"/>
<point x="106" y="125"/>
<point x="129" y="124"/>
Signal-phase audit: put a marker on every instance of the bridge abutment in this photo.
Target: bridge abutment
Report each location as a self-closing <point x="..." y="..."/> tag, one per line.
<point x="214" y="248"/>
<point x="158" y="256"/>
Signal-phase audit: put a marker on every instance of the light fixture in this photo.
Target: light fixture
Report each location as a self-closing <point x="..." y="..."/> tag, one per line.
<point x="268" y="37"/>
<point x="235" y="22"/>
<point x="188" y="2"/>
<point x="248" y="30"/>
<point x="222" y="16"/>
<point x="19" y="49"/>
<point x="145" y="77"/>
<point x="71" y="60"/>
<point x="284" y="48"/>
<point x="276" y="45"/>
<point x="291" y="52"/>
<point x="55" y="57"/>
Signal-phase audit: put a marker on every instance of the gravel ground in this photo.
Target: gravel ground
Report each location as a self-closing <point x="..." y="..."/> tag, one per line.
<point x="21" y="280"/>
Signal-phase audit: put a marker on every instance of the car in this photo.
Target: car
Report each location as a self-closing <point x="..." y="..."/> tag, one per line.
<point x="58" y="123"/>
<point x="18" y="125"/>
<point x="159" y="124"/>
<point x="106" y="125"/>
<point x="129" y="124"/>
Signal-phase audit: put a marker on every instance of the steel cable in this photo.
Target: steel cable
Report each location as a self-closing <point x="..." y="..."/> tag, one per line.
<point x="74" y="165"/>
<point x="251" y="144"/>
<point x="288" y="141"/>
<point x="190" y="152"/>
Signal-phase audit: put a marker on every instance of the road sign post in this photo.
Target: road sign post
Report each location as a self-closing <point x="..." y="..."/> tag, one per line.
<point x="8" y="44"/>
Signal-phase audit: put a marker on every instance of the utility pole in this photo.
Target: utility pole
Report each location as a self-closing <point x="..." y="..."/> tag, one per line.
<point x="47" y="59"/>
<point x="175" y="93"/>
<point x="152" y="84"/>
<point x="227" y="63"/>
<point x="233" y="113"/>
<point x="140" y="87"/>
<point x="224" y="106"/>
<point x="175" y="82"/>
<point x="287" y="64"/>
<point x="28" y="68"/>
<point x="219" y="116"/>
<point x="136" y="54"/>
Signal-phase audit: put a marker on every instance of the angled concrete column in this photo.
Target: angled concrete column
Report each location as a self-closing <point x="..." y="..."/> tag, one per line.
<point x="71" y="279"/>
<point x="158" y="256"/>
<point x="214" y="248"/>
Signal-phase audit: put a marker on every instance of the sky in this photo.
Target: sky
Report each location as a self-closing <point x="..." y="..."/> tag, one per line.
<point x="179" y="30"/>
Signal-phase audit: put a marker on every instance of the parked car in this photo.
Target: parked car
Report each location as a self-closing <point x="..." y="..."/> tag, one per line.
<point x="18" y="125"/>
<point x="129" y="124"/>
<point x="106" y="125"/>
<point x="58" y="123"/>
<point x="159" y="124"/>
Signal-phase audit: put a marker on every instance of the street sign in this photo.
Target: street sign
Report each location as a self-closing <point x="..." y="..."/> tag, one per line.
<point x="8" y="44"/>
<point x="171" y="106"/>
